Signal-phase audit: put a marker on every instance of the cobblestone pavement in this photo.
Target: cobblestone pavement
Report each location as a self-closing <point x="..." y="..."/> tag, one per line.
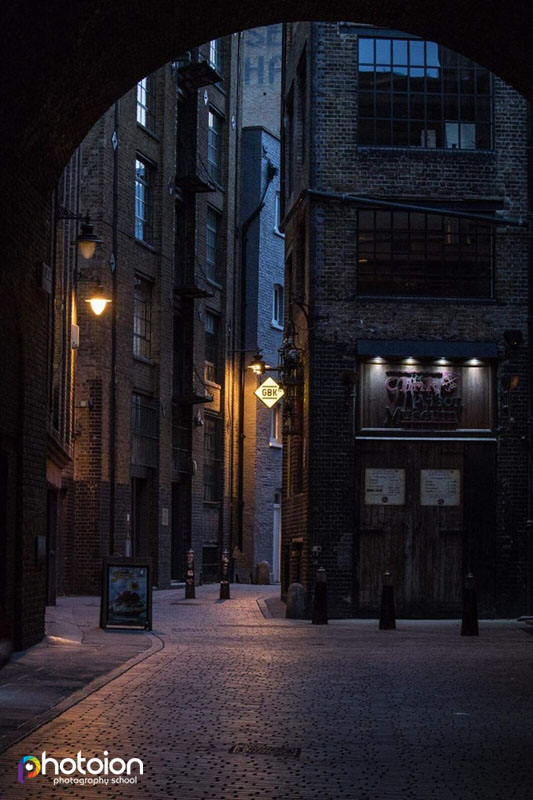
<point x="74" y="652"/>
<point x="419" y="712"/>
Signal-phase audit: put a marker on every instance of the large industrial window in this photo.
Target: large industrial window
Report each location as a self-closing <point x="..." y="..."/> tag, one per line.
<point x="419" y="94"/>
<point x="214" y="145"/>
<point x="146" y="102"/>
<point x="143" y="200"/>
<point x="425" y="255"/>
<point x="144" y="431"/>
<point x="142" y="318"/>
<point x="212" y="458"/>
<point x="212" y="244"/>
<point x="212" y="369"/>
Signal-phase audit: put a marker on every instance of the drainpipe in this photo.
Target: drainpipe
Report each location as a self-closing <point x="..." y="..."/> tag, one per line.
<point x="112" y="387"/>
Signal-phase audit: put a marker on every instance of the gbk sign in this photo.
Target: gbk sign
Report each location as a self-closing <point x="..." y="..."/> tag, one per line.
<point x="269" y="392"/>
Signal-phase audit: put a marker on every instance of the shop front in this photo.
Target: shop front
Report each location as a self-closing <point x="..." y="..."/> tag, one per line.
<point x="426" y="479"/>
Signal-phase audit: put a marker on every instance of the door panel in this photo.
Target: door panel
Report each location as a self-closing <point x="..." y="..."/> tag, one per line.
<point x="421" y="545"/>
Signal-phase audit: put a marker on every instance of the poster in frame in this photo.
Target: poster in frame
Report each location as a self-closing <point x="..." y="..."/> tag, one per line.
<point x="126" y="600"/>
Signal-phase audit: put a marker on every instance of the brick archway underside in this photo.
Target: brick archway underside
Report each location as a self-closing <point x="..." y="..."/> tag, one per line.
<point x="65" y="63"/>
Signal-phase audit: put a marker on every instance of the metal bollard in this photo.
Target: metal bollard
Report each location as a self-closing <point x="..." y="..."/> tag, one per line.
<point x="190" y="593"/>
<point x="387" y="612"/>
<point x="320" y="602"/>
<point x="224" y="581"/>
<point x="469" y="625"/>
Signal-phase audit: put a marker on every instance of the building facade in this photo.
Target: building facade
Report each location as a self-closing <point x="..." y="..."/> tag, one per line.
<point x="144" y="470"/>
<point x="405" y="189"/>
<point x="262" y="298"/>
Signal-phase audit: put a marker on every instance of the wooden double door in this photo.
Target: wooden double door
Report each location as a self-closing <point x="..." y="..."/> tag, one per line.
<point x="426" y="513"/>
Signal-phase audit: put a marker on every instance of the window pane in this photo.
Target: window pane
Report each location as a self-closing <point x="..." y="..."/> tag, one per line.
<point x="366" y="51"/>
<point x="416" y="53"/>
<point x="399" y="52"/>
<point x="383" y="51"/>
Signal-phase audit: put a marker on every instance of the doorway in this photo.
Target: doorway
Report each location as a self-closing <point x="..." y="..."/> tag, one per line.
<point x="417" y="519"/>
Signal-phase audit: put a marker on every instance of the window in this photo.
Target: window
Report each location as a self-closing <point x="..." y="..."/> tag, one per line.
<point x="277" y="305"/>
<point x="212" y="458"/>
<point x="211" y="372"/>
<point x="212" y="244"/>
<point x="142" y="318"/>
<point x="146" y="102"/>
<point x="144" y="431"/>
<point x="214" y="145"/>
<point x="277" y="221"/>
<point x="416" y="254"/>
<point x="419" y="94"/>
<point x="143" y="200"/>
<point x="275" y="426"/>
<point x="215" y="54"/>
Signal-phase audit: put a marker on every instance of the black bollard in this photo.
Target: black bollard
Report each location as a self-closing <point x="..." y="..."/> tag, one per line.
<point x="224" y="580"/>
<point x="469" y="626"/>
<point x="387" y="613"/>
<point x="190" y="593"/>
<point x="320" y="602"/>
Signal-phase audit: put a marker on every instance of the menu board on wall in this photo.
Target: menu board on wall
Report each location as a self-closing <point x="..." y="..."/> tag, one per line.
<point x="440" y="487"/>
<point x="384" y="487"/>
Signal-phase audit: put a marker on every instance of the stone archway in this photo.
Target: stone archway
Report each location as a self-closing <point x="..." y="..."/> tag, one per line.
<point x="64" y="64"/>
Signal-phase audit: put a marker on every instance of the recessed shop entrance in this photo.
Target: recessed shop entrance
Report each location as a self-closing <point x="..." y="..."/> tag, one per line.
<point x="426" y="513"/>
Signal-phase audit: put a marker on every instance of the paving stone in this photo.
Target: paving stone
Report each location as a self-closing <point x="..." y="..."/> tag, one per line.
<point x="419" y="713"/>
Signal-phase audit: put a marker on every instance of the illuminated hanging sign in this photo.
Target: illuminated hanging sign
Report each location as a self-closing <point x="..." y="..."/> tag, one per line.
<point x="269" y="392"/>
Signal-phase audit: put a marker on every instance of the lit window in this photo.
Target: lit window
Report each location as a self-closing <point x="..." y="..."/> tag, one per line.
<point x="142" y="318"/>
<point x="414" y="93"/>
<point x="212" y="244"/>
<point x="211" y="348"/>
<point x="423" y="255"/>
<point x="146" y="102"/>
<point x="277" y="305"/>
<point x="143" y="200"/>
<point x="275" y="425"/>
<point x="214" y="145"/>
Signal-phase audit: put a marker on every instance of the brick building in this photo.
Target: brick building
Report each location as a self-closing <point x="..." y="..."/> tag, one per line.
<point x="405" y="188"/>
<point x="145" y="442"/>
<point x="262" y="270"/>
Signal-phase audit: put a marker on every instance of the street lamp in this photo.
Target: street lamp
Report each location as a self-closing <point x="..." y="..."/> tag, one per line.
<point x="86" y="240"/>
<point x="257" y="364"/>
<point x="98" y="304"/>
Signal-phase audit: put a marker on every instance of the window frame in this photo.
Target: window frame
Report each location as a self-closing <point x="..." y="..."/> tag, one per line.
<point x="277" y="306"/>
<point x="276" y="426"/>
<point x="212" y="347"/>
<point x="215" y="55"/>
<point x="146" y="102"/>
<point x="142" y="318"/>
<point x="212" y="263"/>
<point x="437" y="247"/>
<point x="213" y="457"/>
<point x="394" y="109"/>
<point x="214" y="145"/>
<point x="144" y="197"/>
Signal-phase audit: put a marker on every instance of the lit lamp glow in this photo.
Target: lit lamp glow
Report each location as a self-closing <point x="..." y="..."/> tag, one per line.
<point x="98" y="304"/>
<point x="257" y="364"/>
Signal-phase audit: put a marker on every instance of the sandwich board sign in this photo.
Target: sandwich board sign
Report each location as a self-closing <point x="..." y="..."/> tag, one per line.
<point x="269" y="392"/>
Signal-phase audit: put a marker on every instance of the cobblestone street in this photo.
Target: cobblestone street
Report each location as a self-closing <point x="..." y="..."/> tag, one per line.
<point x="419" y="712"/>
